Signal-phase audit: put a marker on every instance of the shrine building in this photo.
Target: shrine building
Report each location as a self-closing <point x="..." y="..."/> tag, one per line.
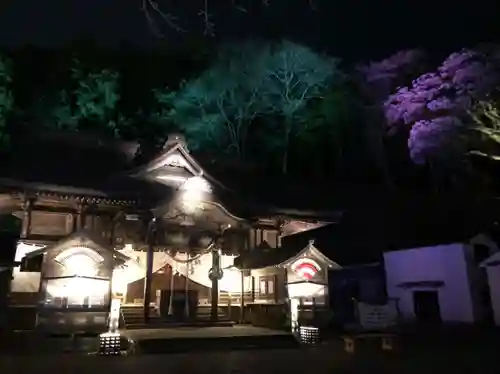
<point x="161" y="238"/>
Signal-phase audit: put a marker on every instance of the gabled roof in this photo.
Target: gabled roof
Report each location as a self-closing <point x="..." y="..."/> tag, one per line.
<point x="264" y="256"/>
<point x="163" y="160"/>
<point x="175" y="166"/>
<point x="175" y="146"/>
<point x="314" y="252"/>
<point x="80" y="238"/>
<point x="493" y="260"/>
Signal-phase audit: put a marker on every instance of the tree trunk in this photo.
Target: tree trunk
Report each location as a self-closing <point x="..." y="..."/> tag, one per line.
<point x="284" y="161"/>
<point x="284" y="164"/>
<point x="376" y="144"/>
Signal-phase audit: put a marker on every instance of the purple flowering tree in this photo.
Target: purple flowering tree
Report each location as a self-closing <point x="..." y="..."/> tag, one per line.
<point x="433" y="107"/>
<point x="377" y="80"/>
<point x="380" y="79"/>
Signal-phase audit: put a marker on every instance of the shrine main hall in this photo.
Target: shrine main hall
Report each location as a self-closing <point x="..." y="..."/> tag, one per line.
<point x="163" y="239"/>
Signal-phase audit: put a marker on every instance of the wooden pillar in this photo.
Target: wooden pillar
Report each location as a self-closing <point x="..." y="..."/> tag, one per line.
<point x="276" y="288"/>
<point x="186" y="288"/>
<point x="79" y="217"/>
<point x="214" y="309"/>
<point x="242" y="302"/>
<point x="149" y="271"/>
<point x="26" y="224"/>
<point x="253" y="288"/>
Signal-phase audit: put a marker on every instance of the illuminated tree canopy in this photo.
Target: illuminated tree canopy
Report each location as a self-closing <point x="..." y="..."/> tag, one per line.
<point x="486" y="117"/>
<point x="376" y="81"/>
<point x="295" y="76"/>
<point x="432" y="108"/>
<point x="273" y="107"/>
<point x="217" y="109"/>
<point x="89" y="104"/>
<point x="275" y="82"/>
<point x="379" y="79"/>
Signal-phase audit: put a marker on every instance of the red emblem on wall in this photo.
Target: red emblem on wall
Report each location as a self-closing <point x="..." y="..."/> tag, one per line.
<point x="306" y="268"/>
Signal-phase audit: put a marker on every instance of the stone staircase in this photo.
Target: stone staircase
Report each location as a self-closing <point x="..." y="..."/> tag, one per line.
<point x="133" y="318"/>
<point x="203" y="313"/>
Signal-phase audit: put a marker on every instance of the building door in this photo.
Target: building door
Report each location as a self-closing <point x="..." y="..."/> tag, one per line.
<point x="426" y="306"/>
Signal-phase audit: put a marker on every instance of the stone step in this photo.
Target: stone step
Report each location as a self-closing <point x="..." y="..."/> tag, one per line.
<point x="170" y="324"/>
<point x="134" y="318"/>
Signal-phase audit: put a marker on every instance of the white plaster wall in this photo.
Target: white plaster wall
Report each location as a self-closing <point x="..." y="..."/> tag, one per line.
<point x="493" y="273"/>
<point x="445" y="263"/>
<point x="25" y="281"/>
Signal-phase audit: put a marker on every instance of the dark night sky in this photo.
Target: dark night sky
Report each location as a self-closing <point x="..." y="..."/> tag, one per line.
<point x="350" y="29"/>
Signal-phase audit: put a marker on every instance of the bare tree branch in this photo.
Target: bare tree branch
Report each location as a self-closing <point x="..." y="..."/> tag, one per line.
<point x="207" y="20"/>
<point x="168" y="18"/>
<point x="238" y="7"/>
<point x="150" y="8"/>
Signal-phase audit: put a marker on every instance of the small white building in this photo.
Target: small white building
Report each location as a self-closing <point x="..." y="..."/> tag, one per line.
<point x="442" y="282"/>
<point x="492" y="267"/>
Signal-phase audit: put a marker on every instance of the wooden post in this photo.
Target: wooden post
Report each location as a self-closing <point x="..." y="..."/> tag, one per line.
<point x="79" y="217"/>
<point x="171" y="295"/>
<point x="186" y="288"/>
<point x="149" y="271"/>
<point x="313" y="307"/>
<point x="26" y="224"/>
<point x="242" y="299"/>
<point x="214" y="309"/>
<point x="253" y="289"/>
<point x="275" y="289"/>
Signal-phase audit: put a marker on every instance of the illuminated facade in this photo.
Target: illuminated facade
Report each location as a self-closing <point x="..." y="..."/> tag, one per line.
<point x="143" y="237"/>
<point x="289" y="281"/>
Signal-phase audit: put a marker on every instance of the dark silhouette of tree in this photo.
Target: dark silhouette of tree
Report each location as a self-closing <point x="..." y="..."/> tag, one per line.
<point x="6" y="98"/>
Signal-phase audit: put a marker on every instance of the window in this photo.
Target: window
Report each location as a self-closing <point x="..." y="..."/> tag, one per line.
<point x="266" y="285"/>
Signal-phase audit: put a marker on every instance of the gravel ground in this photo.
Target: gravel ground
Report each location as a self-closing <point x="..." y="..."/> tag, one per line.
<point x="328" y="359"/>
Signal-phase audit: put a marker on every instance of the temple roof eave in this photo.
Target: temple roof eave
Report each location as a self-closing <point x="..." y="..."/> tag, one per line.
<point x="16" y="188"/>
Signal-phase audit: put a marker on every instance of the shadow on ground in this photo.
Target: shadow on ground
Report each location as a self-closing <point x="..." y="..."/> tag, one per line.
<point x="149" y="346"/>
